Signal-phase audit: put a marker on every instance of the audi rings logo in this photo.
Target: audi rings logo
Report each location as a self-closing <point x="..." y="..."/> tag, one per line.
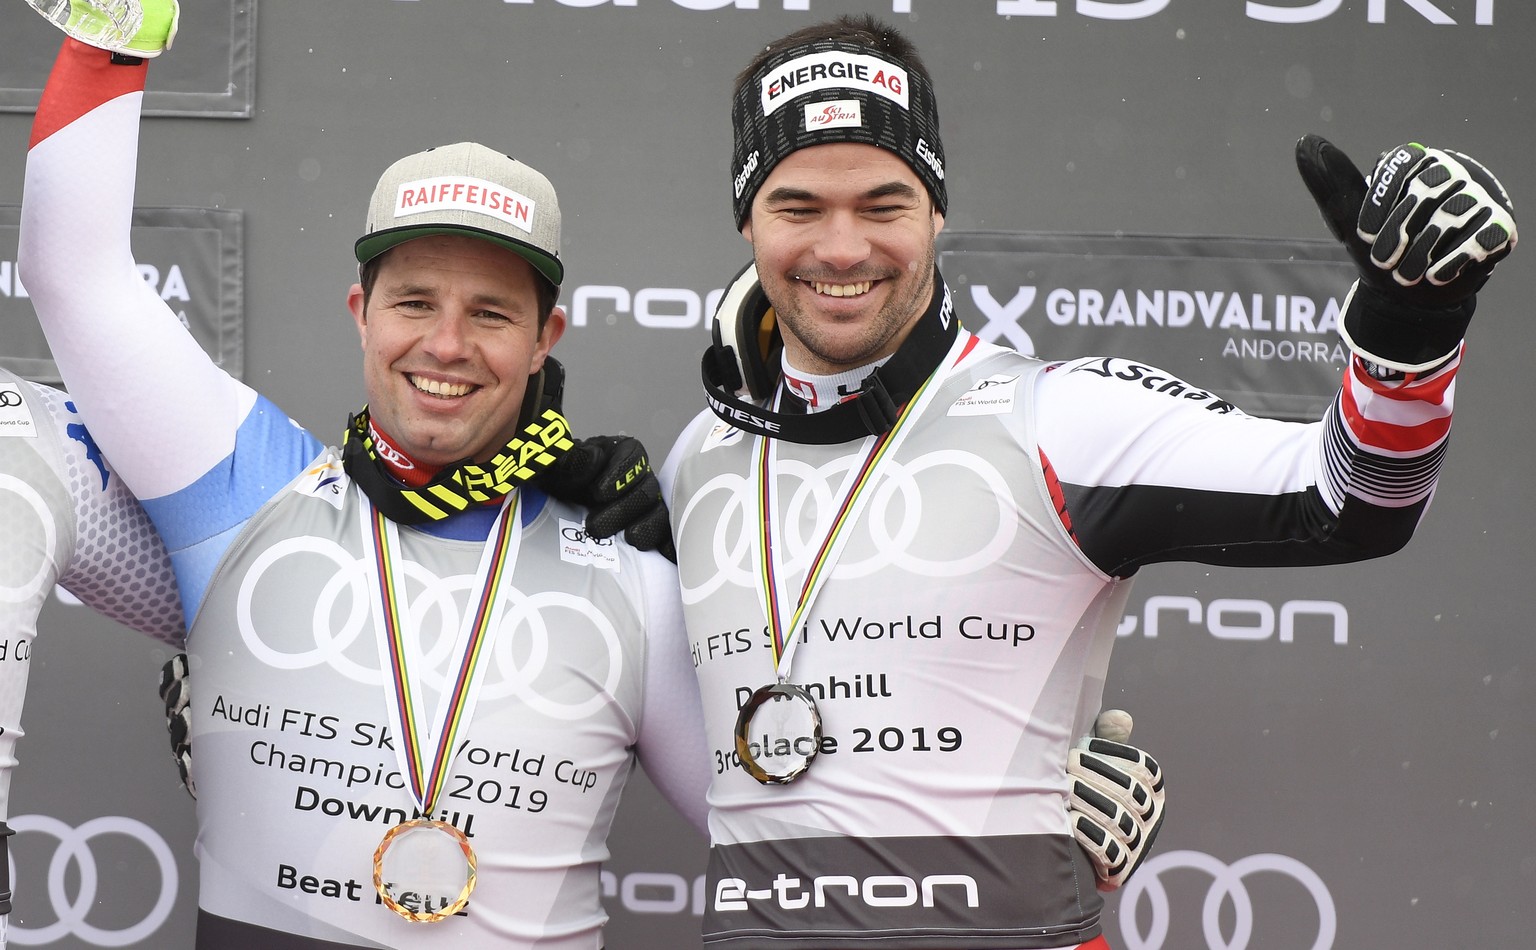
<point x="579" y="535"/>
<point x="535" y="629"/>
<point x="76" y="849"/>
<point x="9" y="398"/>
<point x="47" y="525"/>
<point x="1227" y="884"/>
<point x="898" y="524"/>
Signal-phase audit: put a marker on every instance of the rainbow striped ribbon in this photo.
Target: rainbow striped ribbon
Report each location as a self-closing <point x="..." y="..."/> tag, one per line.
<point x="855" y="492"/>
<point x="426" y="754"/>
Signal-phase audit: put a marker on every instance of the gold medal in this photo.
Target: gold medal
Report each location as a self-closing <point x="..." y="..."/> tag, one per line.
<point x="424" y="870"/>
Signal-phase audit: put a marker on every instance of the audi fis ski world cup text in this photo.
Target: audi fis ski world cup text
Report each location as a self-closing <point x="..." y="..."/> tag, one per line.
<point x="1374" y="11"/>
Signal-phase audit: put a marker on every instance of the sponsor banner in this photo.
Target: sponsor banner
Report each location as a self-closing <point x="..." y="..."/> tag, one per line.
<point x="192" y="257"/>
<point x="1269" y="896"/>
<point x="110" y="881"/>
<point x="210" y="74"/>
<point x="1431" y="12"/>
<point x="1019" y="890"/>
<point x="1252" y="319"/>
<point x="1240" y="620"/>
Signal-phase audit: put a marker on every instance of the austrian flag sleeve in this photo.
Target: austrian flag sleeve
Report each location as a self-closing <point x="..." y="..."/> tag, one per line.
<point x="1388" y="439"/>
<point x="1146" y="468"/>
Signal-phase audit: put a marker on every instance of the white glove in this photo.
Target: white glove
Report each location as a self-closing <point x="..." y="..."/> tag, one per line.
<point x="139" y="28"/>
<point x="1116" y="807"/>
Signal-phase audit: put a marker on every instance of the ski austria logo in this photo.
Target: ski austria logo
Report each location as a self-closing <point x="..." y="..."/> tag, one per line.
<point x="1227" y="886"/>
<point x="89" y="851"/>
<point x="840" y="114"/>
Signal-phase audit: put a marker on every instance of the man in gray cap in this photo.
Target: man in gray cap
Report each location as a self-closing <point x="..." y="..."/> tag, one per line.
<point x="940" y="534"/>
<point x="422" y="683"/>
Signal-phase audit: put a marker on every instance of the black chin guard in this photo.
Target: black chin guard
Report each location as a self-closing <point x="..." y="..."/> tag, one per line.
<point x="745" y="359"/>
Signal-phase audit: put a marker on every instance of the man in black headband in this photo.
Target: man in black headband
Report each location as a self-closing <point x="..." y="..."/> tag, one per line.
<point x="943" y="532"/>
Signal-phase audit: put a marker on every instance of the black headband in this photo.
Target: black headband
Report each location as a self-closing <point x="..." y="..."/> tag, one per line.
<point x="833" y="91"/>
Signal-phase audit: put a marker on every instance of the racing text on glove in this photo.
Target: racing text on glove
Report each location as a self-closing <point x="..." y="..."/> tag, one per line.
<point x="1424" y="231"/>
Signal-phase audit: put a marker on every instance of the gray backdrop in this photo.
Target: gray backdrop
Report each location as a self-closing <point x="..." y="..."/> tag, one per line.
<point x="1349" y="749"/>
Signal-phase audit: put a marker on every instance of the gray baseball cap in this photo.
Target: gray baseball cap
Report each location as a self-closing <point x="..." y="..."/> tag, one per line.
<point x="466" y="189"/>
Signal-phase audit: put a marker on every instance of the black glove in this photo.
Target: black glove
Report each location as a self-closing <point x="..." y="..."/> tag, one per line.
<point x="611" y="477"/>
<point x="1425" y="232"/>
<point x="176" y="693"/>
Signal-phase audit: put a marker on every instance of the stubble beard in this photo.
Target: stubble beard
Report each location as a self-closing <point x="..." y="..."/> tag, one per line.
<point x="893" y="320"/>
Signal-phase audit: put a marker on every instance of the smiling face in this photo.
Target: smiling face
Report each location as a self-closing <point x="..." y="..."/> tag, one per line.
<point x="843" y="239"/>
<point x="450" y="334"/>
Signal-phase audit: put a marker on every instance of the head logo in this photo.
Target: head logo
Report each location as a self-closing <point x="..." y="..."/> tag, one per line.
<point x="1226" y="885"/>
<point x="75" y="847"/>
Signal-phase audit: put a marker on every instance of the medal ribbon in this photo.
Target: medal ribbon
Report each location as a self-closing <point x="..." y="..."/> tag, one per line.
<point x="855" y="493"/>
<point x="425" y="748"/>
